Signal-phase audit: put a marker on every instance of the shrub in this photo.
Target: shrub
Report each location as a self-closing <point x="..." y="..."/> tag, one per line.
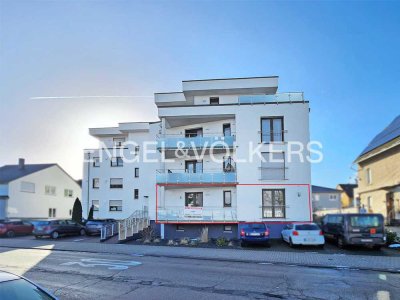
<point x="391" y="237"/>
<point x="77" y="211"/>
<point x="221" y="242"/>
<point x="184" y="241"/>
<point x="148" y="234"/>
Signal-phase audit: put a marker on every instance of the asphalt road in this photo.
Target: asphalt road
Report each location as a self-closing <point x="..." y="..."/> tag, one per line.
<point x="77" y="275"/>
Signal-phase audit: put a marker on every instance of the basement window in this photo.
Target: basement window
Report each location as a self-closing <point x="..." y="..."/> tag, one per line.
<point x="227" y="228"/>
<point x="180" y="227"/>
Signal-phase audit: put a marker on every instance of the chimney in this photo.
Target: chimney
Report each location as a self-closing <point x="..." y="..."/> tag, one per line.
<point x="21" y="163"/>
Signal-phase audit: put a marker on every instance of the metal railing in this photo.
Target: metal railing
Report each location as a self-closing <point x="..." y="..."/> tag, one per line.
<point x="108" y="231"/>
<point x="197" y="214"/>
<point x="133" y="224"/>
<point x="182" y="142"/>
<point x="276" y="98"/>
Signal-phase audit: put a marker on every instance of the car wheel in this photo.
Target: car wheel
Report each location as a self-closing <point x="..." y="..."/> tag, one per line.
<point x="340" y="242"/>
<point x="10" y="234"/>
<point x="55" y="235"/>
<point x="321" y="246"/>
<point x="243" y="244"/>
<point x="291" y="243"/>
<point x="82" y="232"/>
<point x="377" y="247"/>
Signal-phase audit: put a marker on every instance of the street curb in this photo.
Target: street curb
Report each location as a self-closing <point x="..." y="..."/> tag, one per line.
<point x="394" y="271"/>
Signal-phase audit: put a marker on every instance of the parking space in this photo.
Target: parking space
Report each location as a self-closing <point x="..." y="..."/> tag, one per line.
<point x="67" y="238"/>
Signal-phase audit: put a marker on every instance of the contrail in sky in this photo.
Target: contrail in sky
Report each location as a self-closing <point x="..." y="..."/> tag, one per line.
<point x="83" y="97"/>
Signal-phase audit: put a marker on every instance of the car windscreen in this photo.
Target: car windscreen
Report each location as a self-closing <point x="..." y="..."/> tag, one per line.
<point x="255" y="226"/>
<point x="21" y="289"/>
<point x="42" y="223"/>
<point x="365" y="221"/>
<point x="307" y="227"/>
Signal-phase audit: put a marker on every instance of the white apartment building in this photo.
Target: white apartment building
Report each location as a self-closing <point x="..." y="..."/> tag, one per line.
<point x="224" y="150"/>
<point x="36" y="191"/>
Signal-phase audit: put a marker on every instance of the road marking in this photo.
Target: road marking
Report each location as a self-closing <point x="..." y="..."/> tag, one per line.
<point x="265" y="263"/>
<point x="137" y="254"/>
<point x="78" y="240"/>
<point x="111" y="264"/>
<point x="382" y="276"/>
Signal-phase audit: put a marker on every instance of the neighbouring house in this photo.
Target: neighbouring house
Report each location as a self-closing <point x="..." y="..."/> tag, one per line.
<point x="222" y="119"/>
<point x="36" y="191"/>
<point x="379" y="174"/>
<point x="350" y="204"/>
<point x="325" y="201"/>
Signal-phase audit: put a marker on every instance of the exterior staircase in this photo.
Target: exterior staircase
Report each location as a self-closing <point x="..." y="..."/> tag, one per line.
<point x="132" y="225"/>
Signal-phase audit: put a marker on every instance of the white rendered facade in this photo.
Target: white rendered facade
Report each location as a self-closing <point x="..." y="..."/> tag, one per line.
<point x="230" y="183"/>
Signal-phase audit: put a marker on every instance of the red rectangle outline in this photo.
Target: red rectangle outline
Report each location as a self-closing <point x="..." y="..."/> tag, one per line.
<point x="243" y="184"/>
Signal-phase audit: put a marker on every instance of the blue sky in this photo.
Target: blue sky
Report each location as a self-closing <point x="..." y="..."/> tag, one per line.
<point x="343" y="55"/>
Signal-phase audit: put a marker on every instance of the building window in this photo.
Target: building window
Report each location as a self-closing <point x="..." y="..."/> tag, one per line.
<point x="226" y="129"/>
<point x="115" y="205"/>
<point x="70" y="212"/>
<point x="118" y="142"/>
<point x="136" y="172"/>
<point x="96" y="205"/>
<point x="137" y="149"/>
<point x="193" y="132"/>
<point x="227" y="228"/>
<point x="27" y="187"/>
<point x="227" y="199"/>
<point x="369" y="202"/>
<point x="116" y="183"/>
<point x="96" y="183"/>
<point x="273" y="203"/>
<point x="117" y="162"/>
<point x="68" y="193"/>
<point x="214" y="100"/>
<point x="369" y="176"/>
<point x="273" y="166"/>
<point x="332" y="197"/>
<point x="194" y="166"/>
<point x="50" y="190"/>
<point x="194" y="199"/>
<point x="96" y="162"/>
<point x="272" y="130"/>
<point x="180" y="227"/>
<point x="52" y="212"/>
<point x="316" y="197"/>
<point x="228" y="164"/>
<point x="136" y="193"/>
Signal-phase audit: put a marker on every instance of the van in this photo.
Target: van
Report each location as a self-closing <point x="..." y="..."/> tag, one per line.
<point x="355" y="229"/>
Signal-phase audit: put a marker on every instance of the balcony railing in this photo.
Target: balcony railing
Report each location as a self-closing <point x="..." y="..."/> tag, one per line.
<point x="196" y="214"/>
<point x="276" y="98"/>
<point x="174" y="176"/>
<point x="171" y="141"/>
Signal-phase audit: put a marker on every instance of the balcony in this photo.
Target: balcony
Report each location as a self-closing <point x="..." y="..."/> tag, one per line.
<point x="196" y="214"/>
<point x="275" y="98"/>
<point x="171" y="142"/>
<point x="165" y="177"/>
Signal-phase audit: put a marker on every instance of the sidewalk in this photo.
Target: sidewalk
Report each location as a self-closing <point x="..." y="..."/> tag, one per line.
<point x="363" y="262"/>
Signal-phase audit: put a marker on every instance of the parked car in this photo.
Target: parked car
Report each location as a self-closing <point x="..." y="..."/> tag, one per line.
<point x="254" y="233"/>
<point x="56" y="228"/>
<point x="13" y="228"/>
<point x="355" y="229"/>
<point x="14" y="287"/>
<point x="93" y="227"/>
<point x="303" y="234"/>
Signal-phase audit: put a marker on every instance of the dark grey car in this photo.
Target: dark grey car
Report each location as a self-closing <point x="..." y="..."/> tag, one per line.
<point x="56" y="228"/>
<point x="93" y="227"/>
<point x="355" y="229"/>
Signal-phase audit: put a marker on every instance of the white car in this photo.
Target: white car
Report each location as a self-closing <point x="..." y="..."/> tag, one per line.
<point x="303" y="234"/>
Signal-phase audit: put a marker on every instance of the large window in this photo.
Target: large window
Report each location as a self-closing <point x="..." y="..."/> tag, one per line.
<point x="272" y="129"/>
<point x="194" y="166"/>
<point x="27" y="187"/>
<point x="96" y="183"/>
<point x="115" y="205"/>
<point x="194" y="199"/>
<point x="273" y="166"/>
<point x="96" y="205"/>
<point x="117" y="162"/>
<point x="227" y="199"/>
<point x="273" y="203"/>
<point x="116" y="183"/>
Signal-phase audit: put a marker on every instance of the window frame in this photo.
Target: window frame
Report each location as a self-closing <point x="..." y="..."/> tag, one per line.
<point x="368" y="176"/>
<point x="262" y="167"/>
<point x="116" y="161"/>
<point x="186" y="199"/>
<point x="117" y="186"/>
<point x="96" y="162"/>
<point x="50" y="190"/>
<point x="226" y="126"/>
<point x="136" y="194"/>
<point x="224" y="198"/>
<point x="273" y="206"/>
<point x="213" y="100"/>
<point x="98" y="183"/>
<point x="119" y="208"/>
<point x="180" y="227"/>
<point x="136" y="172"/>
<point x="271" y="125"/>
<point x="228" y="230"/>
<point x="119" y="141"/>
<point x="94" y="206"/>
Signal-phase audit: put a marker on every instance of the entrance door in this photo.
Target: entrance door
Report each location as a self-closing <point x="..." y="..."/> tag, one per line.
<point x="226" y="128"/>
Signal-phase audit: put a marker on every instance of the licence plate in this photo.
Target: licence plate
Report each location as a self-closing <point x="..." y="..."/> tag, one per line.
<point x="366" y="240"/>
<point x="254" y="234"/>
<point x="39" y="228"/>
<point x="309" y="240"/>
